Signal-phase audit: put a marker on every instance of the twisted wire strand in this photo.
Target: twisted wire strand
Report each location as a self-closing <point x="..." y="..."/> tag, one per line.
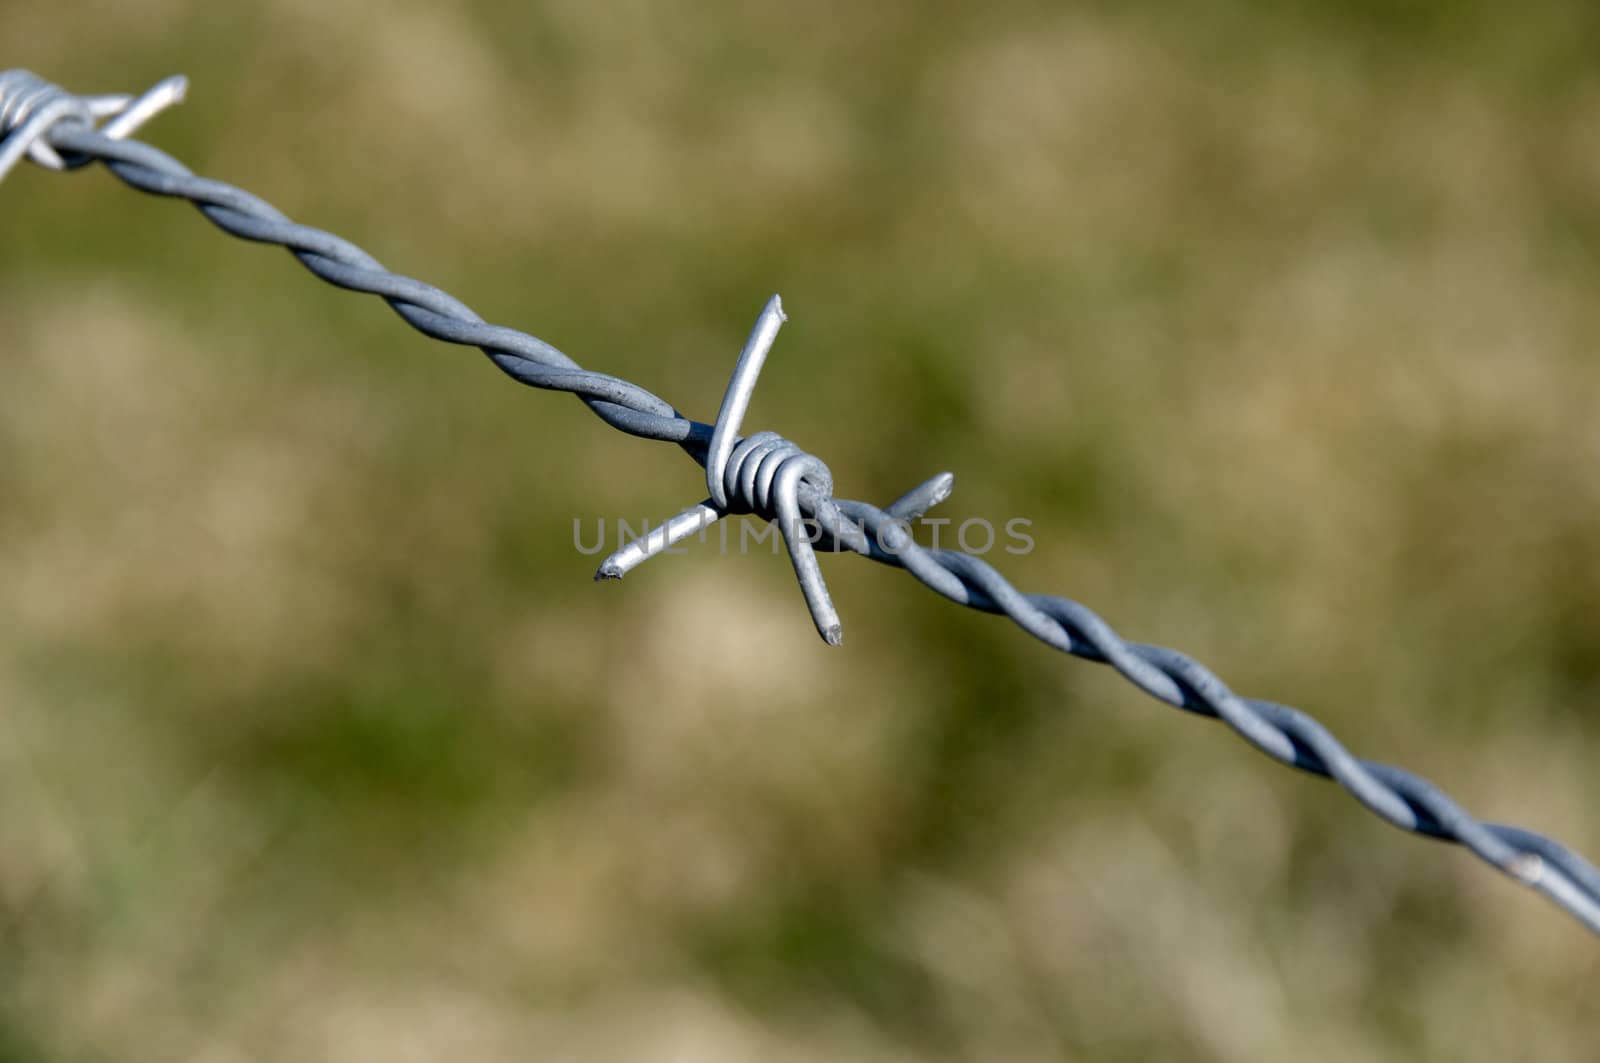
<point x="1287" y="735"/>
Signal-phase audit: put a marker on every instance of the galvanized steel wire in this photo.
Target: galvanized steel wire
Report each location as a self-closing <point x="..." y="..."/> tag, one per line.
<point x="770" y="477"/>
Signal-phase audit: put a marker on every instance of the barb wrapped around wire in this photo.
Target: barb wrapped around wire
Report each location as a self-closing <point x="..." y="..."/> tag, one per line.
<point x="764" y="474"/>
<point x="769" y="476"/>
<point x="31" y="107"/>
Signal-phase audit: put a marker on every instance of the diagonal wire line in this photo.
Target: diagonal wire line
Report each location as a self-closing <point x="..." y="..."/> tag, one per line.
<point x="1287" y="735"/>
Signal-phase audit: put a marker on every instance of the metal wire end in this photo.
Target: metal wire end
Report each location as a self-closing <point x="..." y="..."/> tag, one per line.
<point x="30" y="107"/>
<point x="691" y="521"/>
<point x="923" y="497"/>
<point x="131" y="117"/>
<point x="736" y="400"/>
<point x="759" y="474"/>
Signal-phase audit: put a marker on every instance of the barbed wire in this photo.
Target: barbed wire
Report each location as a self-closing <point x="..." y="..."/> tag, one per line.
<point x="770" y="477"/>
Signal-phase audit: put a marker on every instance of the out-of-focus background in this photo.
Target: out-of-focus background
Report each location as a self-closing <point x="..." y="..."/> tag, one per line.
<point x="1279" y="322"/>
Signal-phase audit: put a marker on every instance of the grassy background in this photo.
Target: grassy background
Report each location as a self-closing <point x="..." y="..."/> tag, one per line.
<point x="316" y="741"/>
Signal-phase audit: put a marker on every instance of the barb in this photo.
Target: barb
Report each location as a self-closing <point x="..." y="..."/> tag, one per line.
<point x="760" y="474"/>
<point x="747" y="473"/>
<point x="31" y="107"/>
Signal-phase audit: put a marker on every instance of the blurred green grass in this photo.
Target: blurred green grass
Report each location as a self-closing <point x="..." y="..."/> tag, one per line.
<point x="318" y="741"/>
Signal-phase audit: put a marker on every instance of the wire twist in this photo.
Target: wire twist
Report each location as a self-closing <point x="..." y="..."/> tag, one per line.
<point x="1285" y="734"/>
